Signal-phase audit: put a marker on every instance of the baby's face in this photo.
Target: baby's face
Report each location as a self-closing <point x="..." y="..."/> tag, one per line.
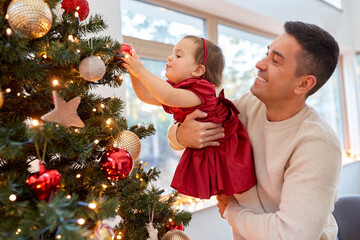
<point x="181" y="63"/>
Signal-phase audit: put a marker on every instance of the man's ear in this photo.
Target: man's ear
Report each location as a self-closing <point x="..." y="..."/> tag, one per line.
<point x="199" y="71"/>
<point x="305" y="85"/>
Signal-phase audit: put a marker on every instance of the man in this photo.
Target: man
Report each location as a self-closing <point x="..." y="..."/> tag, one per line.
<point x="297" y="155"/>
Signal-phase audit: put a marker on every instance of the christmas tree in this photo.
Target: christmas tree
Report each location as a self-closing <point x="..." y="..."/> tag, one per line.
<point x="51" y="117"/>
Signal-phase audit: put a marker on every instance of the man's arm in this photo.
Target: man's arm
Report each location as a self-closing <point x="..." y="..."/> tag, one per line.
<point x="194" y="134"/>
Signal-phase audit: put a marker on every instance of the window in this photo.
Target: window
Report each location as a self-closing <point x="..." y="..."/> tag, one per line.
<point x="155" y="149"/>
<point x="150" y="22"/>
<point x="156" y="29"/>
<point x="358" y="72"/>
<point x="327" y="101"/>
<point x="241" y="50"/>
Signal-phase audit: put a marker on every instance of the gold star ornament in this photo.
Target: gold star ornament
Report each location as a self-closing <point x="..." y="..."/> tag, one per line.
<point x="64" y="112"/>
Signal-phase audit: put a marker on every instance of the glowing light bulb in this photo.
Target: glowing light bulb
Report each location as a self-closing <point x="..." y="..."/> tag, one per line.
<point x="92" y="205"/>
<point x="96" y="141"/>
<point x="102" y="105"/>
<point x="81" y="221"/>
<point x="7" y="16"/>
<point x="94" y="109"/>
<point x="78" y="175"/>
<point x="35" y="123"/>
<point x="8" y="90"/>
<point x="45" y="56"/>
<point x="68" y="196"/>
<point x="71" y="38"/>
<point x="55" y="82"/>
<point x="76" y="14"/>
<point x="58" y="236"/>
<point x="108" y="121"/>
<point x="8" y="31"/>
<point x="12" y="197"/>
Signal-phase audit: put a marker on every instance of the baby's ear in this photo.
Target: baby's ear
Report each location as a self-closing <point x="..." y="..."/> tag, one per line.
<point x="199" y="70"/>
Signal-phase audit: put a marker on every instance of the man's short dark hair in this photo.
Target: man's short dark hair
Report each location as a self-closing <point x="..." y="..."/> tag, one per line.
<point x="319" y="55"/>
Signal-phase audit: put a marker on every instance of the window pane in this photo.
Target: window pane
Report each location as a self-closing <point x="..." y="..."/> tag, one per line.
<point x="327" y="101"/>
<point x="155" y="149"/>
<point x="335" y="3"/>
<point x="241" y="50"/>
<point x="150" y="22"/>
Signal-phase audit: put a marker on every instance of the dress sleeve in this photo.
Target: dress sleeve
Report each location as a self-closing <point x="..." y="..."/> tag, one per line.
<point x="307" y="198"/>
<point x="171" y="134"/>
<point x="201" y="87"/>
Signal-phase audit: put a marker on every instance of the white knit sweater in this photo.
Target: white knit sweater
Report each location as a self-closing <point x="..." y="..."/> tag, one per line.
<point x="297" y="164"/>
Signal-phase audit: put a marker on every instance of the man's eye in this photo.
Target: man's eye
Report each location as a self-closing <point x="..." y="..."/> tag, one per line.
<point x="178" y="56"/>
<point x="274" y="60"/>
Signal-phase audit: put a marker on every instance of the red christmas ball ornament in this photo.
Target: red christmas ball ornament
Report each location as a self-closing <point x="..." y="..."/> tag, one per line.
<point x="173" y="226"/>
<point x="123" y="48"/>
<point x="45" y="183"/>
<point x="82" y="7"/>
<point x="126" y="48"/>
<point x="116" y="163"/>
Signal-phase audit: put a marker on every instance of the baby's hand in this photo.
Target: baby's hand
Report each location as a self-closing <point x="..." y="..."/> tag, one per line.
<point x="133" y="63"/>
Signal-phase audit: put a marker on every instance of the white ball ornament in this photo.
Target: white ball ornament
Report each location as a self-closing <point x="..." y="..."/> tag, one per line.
<point x="32" y="18"/>
<point x="92" y="69"/>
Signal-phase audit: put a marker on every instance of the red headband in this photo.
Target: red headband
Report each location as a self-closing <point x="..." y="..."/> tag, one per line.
<point x="205" y="51"/>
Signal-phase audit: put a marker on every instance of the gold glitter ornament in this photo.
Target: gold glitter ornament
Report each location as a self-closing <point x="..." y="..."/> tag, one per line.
<point x="175" y="235"/>
<point x="130" y="142"/>
<point x="92" y="69"/>
<point x="32" y="18"/>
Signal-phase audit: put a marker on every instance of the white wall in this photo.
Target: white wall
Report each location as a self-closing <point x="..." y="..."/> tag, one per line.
<point x="354" y="6"/>
<point x="110" y="12"/>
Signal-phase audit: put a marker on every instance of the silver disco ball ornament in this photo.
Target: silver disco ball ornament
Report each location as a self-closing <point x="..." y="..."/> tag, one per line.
<point x="32" y="18"/>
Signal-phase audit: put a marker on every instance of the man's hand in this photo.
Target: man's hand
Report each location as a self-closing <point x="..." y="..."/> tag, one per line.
<point x="223" y="201"/>
<point x="195" y="134"/>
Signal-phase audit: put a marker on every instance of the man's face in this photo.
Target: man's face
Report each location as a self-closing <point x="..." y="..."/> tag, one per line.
<point x="276" y="80"/>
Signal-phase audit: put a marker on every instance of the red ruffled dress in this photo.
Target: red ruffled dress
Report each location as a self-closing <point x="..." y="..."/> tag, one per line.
<point x="226" y="169"/>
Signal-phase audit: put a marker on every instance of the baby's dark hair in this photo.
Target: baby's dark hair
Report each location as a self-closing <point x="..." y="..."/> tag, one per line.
<point x="215" y="62"/>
